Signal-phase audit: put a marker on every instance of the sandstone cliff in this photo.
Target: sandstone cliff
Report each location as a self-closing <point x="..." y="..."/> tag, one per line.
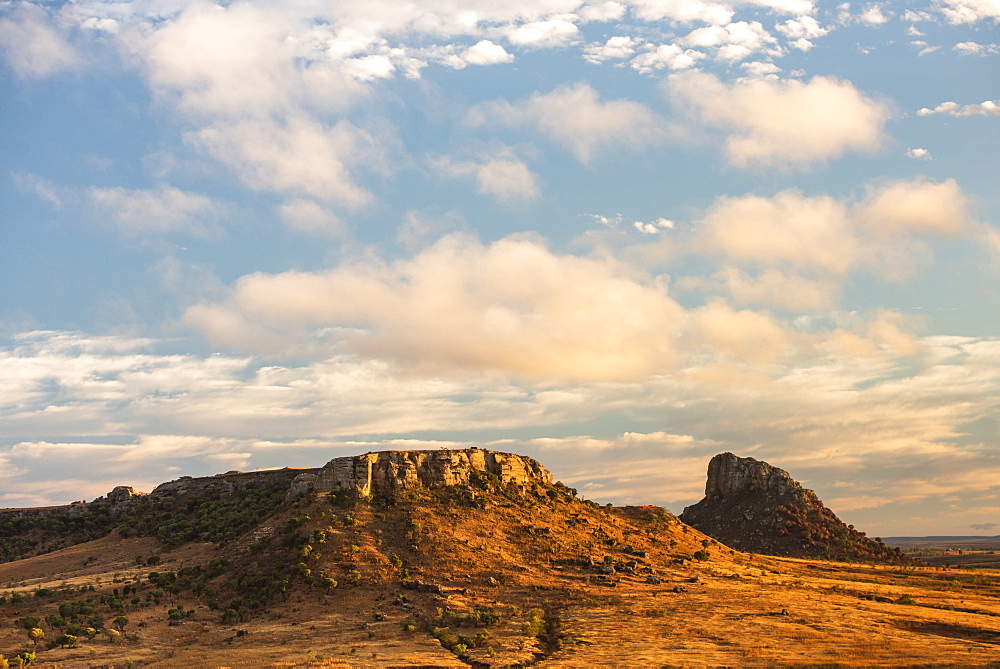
<point x="391" y="472"/>
<point x="754" y="507"/>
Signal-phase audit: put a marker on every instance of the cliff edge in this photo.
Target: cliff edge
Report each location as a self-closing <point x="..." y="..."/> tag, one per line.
<point x="392" y="472"/>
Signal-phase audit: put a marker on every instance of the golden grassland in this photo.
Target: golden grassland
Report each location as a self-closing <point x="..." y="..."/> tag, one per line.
<point x="535" y="564"/>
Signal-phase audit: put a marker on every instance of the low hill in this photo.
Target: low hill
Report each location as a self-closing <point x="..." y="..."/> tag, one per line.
<point x="458" y="558"/>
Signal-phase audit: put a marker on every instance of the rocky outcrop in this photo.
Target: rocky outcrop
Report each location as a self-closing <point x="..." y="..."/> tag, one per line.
<point x="391" y="472"/>
<point x="223" y="484"/>
<point x="754" y="507"/>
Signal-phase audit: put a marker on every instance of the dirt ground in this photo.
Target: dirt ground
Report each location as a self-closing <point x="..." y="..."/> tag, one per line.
<point x="735" y="611"/>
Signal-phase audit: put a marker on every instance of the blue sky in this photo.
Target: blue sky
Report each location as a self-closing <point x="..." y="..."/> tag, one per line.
<point x="620" y="237"/>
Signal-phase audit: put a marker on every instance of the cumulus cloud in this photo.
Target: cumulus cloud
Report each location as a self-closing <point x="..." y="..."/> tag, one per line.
<point x="793" y="251"/>
<point x="783" y="122"/>
<point x="918" y="154"/>
<point x="615" y="48"/>
<point x="486" y="52"/>
<point x="512" y="306"/>
<point x="801" y="31"/>
<point x="157" y="210"/>
<point x="976" y="49"/>
<point x="606" y="11"/>
<point x="771" y="288"/>
<point x="574" y="117"/>
<point x="789" y="229"/>
<point x="734" y="41"/>
<point x="549" y="33"/>
<point x="33" y="44"/>
<point x="683" y="11"/>
<point x="970" y="11"/>
<point x="873" y="14"/>
<point x="919" y="206"/>
<point x="299" y="156"/>
<point x="310" y="217"/>
<point x="665" y="57"/>
<point x="500" y="175"/>
<point x="987" y="108"/>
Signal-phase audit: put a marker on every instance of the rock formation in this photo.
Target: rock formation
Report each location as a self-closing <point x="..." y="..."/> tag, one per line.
<point x="223" y="483"/>
<point x="391" y="472"/>
<point x="754" y="507"/>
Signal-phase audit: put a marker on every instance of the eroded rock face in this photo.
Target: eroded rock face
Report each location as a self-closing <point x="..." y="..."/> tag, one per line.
<point x="390" y="472"/>
<point x="122" y="493"/>
<point x="729" y="475"/>
<point x="751" y="506"/>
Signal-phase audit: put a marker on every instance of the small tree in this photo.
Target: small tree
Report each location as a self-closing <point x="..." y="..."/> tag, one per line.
<point x="112" y="635"/>
<point x="66" y="640"/>
<point x="36" y="635"/>
<point x="120" y="623"/>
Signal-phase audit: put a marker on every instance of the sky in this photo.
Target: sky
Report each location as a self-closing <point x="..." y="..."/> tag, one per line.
<point x="619" y="237"/>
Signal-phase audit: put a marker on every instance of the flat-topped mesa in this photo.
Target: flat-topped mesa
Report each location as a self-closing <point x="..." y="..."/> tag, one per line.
<point x="391" y="472"/>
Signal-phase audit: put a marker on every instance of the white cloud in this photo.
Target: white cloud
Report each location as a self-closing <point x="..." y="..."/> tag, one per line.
<point x="771" y="288"/>
<point x="544" y="34"/>
<point x="916" y="17"/>
<point x="512" y="306"/>
<point x="987" y="108"/>
<point x="311" y="217"/>
<point x="158" y="210"/>
<point x="500" y="175"/>
<point x="919" y="154"/>
<point x="801" y="31"/>
<point x="684" y="11"/>
<point x="653" y="227"/>
<point x="486" y="52"/>
<point x="782" y="122"/>
<point x="734" y="41"/>
<point x="975" y="48"/>
<point x="41" y="187"/>
<point x="616" y="48"/>
<point x="918" y="206"/>
<point x="33" y="44"/>
<point x="873" y="15"/>
<point x="607" y="11"/>
<point x="297" y="156"/>
<point x="810" y="240"/>
<point x="970" y="11"/>
<point x="791" y="230"/>
<point x="795" y="7"/>
<point x="665" y="56"/>
<point x="760" y="69"/>
<point x="574" y="117"/>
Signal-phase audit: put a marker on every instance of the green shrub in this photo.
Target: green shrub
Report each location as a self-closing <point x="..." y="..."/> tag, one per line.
<point x="536" y="623"/>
